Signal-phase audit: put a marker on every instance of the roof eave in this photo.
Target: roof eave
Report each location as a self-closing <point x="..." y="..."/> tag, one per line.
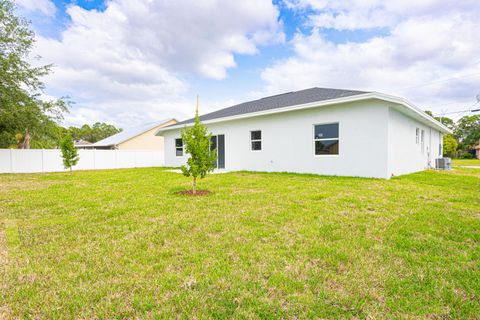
<point x="131" y="137"/>
<point x="359" y="97"/>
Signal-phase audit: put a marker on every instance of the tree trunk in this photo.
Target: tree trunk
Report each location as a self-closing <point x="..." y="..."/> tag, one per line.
<point x="26" y="140"/>
<point x="194" y="185"/>
<point x="70" y="169"/>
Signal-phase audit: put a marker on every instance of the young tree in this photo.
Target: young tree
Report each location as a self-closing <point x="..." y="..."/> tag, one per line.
<point x="196" y="141"/>
<point x="69" y="152"/>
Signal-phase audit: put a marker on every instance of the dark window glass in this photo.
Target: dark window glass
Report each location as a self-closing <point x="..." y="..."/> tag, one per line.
<point x="326" y="131"/>
<point x="178" y="143"/>
<point x="256" y="145"/>
<point x="326" y="147"/>
<point x="256" y="135"/>
<point x="213" y="143"/>
<point x="179" y="147"/>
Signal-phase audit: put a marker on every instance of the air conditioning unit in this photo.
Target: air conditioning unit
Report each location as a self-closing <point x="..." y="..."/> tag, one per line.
<point x="443" y="164"/>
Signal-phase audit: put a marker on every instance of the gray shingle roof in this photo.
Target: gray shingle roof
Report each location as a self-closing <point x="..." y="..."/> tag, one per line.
<point x="278" y="101"/>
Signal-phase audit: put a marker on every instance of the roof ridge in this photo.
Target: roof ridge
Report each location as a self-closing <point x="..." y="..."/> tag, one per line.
<point x="286" y="99"/>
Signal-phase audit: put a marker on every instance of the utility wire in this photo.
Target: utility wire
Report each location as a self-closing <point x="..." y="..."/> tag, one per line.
<point x="453" y="112"/>
<point x="463" y="111"/>
<point x="440" y="81"/>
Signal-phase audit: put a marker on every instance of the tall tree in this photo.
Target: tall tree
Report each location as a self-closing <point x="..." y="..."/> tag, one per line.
<point x="449" y="123"/>
<point x="21" y="108"/>
<point x="98" y="131"/>
<point x="467" y="131"/>
<point x="196" y="141"/>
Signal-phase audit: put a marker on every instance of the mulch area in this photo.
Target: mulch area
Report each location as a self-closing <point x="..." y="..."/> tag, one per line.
<point x="190" y="192"/>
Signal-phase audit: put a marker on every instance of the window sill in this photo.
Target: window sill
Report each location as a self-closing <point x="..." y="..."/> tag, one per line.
<point x="326" y="155"/>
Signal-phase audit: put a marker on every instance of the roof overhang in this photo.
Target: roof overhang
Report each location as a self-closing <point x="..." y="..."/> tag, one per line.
<point x="408" y="107"/>
<point x="127" y="138"/>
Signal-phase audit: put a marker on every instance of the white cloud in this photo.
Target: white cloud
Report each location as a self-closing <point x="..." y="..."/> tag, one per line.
<point x="47" y="7"/>
<point x="130" y="62"/>
<point x="427" y="42"/>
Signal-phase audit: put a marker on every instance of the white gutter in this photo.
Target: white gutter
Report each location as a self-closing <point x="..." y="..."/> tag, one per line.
<point x="359" y="97"/>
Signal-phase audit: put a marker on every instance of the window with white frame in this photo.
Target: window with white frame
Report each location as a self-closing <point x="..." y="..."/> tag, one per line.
<point x="422" y="140"/>
<point x="256" y="140"/>
<point x="417" y="135"/>
<point x="326" y="139"/>
<point x="179" y="147"/>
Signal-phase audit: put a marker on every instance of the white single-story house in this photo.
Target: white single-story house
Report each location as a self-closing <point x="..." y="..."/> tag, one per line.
<point x="137" y="138"/>
<point x="320" y="131"/>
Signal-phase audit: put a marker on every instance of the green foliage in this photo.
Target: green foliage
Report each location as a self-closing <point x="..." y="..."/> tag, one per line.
<point x="450" y="145"/>
<point x="69" y="152"/>
<point x="21" y="86"/>
<point x="468" y="131"/>
<point x="196" y="141"/>
<point x="98" y="131"/>
<point x="449" y="123"/>
<point x="466" y="155"/>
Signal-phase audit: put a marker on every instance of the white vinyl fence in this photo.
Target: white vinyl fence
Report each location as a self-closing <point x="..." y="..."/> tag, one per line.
<point x="50" y="160"/>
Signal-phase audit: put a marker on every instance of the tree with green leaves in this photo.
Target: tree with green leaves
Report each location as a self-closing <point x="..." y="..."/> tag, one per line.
<point x="21" y="108"/>
<point x="449" y="123"/>
<point x="450" y="146"/>
<point x="69" y="152"/>
<point x="196" y="141"/>
<point x="98" y="131"/>
<point x="467" y="131"/>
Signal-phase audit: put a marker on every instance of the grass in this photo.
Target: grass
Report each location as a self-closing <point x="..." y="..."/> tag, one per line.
<point x="122" y="244"/>
<point x="466" y="162"/>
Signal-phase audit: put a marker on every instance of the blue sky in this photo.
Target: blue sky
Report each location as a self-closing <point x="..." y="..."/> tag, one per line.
<point x="128" y="62"/>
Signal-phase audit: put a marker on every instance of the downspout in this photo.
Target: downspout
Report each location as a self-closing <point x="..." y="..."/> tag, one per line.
<point x="429" y="151"/>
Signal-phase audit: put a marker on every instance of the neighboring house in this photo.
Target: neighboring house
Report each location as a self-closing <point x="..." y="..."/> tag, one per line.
<point x="82" y="144"/>
<point x="139" y="138"/>
<point x="321" y="131"/>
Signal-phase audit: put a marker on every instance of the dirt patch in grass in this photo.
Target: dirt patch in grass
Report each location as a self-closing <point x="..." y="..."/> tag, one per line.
<point x="190" y="192"/>
<point x="12" y="183"/>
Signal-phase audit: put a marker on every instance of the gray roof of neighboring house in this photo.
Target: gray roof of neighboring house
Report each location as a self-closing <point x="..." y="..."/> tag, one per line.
<point x="278" y="101"/>
<point x="81" y="143"/>
<point x="128" y="134"/>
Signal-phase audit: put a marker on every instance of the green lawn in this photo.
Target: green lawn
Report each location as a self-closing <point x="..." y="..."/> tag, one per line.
<point x="466" y="162"/>
<point x="122" y="244"/>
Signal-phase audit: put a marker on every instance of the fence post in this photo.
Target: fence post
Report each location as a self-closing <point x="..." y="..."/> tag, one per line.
<point x="11" y="160"/>
<point x="43" y="169"/>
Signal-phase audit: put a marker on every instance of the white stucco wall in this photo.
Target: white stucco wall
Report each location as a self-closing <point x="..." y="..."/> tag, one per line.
<point x="288" y="144"/>
<point x="404" y="154"/>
